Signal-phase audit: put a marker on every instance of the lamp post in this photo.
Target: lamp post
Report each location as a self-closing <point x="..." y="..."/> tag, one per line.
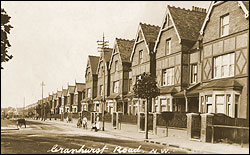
<point x="103" y="45"/>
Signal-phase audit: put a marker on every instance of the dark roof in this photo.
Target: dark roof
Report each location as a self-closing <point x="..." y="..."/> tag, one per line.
<point x="188" y="22"/>
<point x="85" y="100"/>
<point x="125" y="48"/>
<point x="80" y="86"/>
<point x="107" y="54"/>
<point x="113" y="96"/>
<point x="190" y="92"/>
<point x="98" y="98"/>
<point x="246" y="3"/>
<point x="150" y="33"/>
<point x="223" y="83"/>
<point x="168" y="89"/>
<point x="71" y="89"/>
<point x="93" y="60"/>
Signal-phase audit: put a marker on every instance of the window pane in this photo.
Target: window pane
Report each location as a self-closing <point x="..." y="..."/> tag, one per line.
<point x="226" y="20"/>
<point x="220" y="99"/>
<point x="209" y="108"/>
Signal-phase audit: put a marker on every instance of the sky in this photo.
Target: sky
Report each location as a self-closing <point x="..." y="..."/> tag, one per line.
<point x="51" y="40"/>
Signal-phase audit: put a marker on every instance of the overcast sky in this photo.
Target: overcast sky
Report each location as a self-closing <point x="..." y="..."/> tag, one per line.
<point x="51" y="40"/>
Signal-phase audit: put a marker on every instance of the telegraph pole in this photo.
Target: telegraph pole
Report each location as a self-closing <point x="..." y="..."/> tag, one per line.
<point x="43" y="84"/>
<point x="103" y="44"/>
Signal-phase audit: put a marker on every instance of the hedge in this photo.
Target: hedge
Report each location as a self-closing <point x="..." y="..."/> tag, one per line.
<point x="172" y="119"/>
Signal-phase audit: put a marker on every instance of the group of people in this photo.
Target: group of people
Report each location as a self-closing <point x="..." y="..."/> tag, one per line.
<point x="83" y="122"/>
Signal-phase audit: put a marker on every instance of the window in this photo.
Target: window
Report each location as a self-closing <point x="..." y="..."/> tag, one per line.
<point x="209" y="108"/>
<point x="89" y="92"/>
<point x="115" y="86"/>
<point x="224" y="66"/>
<point x="130" y="87"/>
<point x="220" y="100"/>
<point x="224" y="25"/>
<point x="168" y="104"/>
<point x="163" y="106"/>
<point x="140" y="56"/>
<point x="101" y="90"/>
<point x="168" y="77"/>
<point x="194" y="71"/>
<point x="168" y="47"/>
<point x="229" y="105"/>
<point x="237" y="98"/>
<point x="116" y="65"/>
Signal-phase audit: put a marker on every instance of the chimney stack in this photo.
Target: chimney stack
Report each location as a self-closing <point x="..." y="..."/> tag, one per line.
<point x="195" y="8"/>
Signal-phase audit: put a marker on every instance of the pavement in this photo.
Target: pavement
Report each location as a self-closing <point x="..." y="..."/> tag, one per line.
<point x="129" y="132"/>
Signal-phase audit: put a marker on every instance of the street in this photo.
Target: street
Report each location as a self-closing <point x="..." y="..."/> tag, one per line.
<point x="47" y="137"/>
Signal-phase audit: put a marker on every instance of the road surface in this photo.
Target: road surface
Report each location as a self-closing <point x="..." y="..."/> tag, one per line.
<point x="48" y="138"/>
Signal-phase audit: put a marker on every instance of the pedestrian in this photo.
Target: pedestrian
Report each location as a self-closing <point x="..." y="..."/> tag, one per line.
<point x="84" y="122"/>
<point x="79" y="122"/>
<point x="97" y="123"/>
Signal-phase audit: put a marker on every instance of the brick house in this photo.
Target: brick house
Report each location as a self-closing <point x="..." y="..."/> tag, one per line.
<point x="119" y="75"/>
<point x="70" y="98"/>
<point x="91" y="83"/>
<point x="59" y="102"/>
<point x="225" y="59"/>
<point x="142" y="60"/>
<point x="179" y="33"/>
<point x="54" y="102"/>
<point x="78" y="96"/>
<point x="50" y="102"/>
<point x="102" y="64"/>
<point x="64" y="101"/>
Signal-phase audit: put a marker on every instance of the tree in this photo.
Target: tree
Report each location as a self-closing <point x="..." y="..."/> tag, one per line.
<point x="5" y="29"/>
<point x="38" y="110"/>
<point x="146" y="88"/>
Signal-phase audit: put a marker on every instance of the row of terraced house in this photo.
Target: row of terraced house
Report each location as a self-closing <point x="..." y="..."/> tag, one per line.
<point x="200" y="59"/>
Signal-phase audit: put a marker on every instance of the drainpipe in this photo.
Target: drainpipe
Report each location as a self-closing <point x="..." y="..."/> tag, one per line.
<point x="186" y="100"/>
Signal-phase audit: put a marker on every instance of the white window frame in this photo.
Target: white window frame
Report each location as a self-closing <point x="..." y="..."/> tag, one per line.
<point x="101" y="90"/>
<point x="89" y="92"/>
<point x="140" y="56"/>
<point x="168" y="46"/>
<point x="194" y="73"/>
<point x="116" y="86"/>
<point x="168" y="77"/>
<point x="224" y="61"/>
<point x="224" y="25"/>
<point x="116" y="65"/>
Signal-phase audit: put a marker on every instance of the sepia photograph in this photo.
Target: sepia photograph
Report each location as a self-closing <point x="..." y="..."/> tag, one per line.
<point x="124" y="77"/>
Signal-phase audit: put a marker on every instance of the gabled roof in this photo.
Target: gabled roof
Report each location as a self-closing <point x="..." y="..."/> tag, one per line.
<point x="150" y="34"/>
<point x="80" y="87"/>
<point x="64" y="92"/>
<point x="106" y="55"/>
<point x="187" y="23"/>
<point x="54" y="95"/>
<point x="93" y="61"/>
<point x="50" y="97"/>
<point x="244" y="5"/>
<point x="125" y="48"/>
<point x="71" y="89"/>
<point x="59" y="93"/>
